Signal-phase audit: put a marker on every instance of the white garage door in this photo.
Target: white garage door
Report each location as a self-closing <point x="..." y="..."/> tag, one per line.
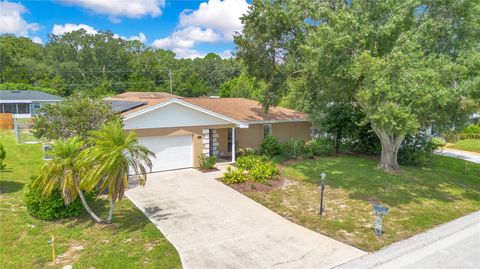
<point x="172" y="152"/>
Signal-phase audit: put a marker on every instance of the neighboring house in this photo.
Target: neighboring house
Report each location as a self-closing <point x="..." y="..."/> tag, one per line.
<point x="24" y="104"/>
<point x="475" y="117"/>
<point x="178" y="130"/>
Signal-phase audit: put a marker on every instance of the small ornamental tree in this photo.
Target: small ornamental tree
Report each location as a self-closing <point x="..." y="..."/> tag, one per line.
<point x="114" y="154"/>
<point x="75" y="116"/>
<point x="63" y="173"/>
<point x="408" y="64"/>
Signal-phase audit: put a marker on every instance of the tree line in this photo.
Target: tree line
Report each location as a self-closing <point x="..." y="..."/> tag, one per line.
<point x="101" y="64"/>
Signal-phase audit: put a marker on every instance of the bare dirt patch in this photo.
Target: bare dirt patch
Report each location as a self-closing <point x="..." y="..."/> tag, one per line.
<point x="71" y="255"/>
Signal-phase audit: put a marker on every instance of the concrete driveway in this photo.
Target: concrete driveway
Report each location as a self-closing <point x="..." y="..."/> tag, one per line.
<point x="460" y="154"/>
<point x="214" y="226"/>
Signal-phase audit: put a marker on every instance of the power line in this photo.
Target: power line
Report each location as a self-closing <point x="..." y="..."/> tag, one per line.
<point x="86" y="71"/>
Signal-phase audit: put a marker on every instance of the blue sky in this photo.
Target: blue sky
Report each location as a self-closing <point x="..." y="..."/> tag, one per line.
<point x="190" y="28"/>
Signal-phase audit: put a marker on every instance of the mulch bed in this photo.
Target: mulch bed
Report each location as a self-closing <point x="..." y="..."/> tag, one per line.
<point x="267" y="186"/>
<point x="208" y="170"/>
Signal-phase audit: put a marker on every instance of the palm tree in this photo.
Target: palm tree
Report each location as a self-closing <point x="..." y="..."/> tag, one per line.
<point x="61" y="172"/>
<point x="113" y="153"/>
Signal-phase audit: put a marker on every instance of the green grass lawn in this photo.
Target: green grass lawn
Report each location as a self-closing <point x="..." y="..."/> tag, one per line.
<point x="131" y="242"/>
<point x="467" y="144"/>
<point x="418" y="198"/>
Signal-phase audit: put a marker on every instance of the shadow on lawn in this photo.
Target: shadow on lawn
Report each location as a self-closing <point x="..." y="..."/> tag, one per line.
<point x="126" y="216"/>
<point x="7" y="186"/>
<point x="359" y="177"/>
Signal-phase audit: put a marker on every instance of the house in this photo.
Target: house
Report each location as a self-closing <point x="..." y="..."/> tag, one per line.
<point x="178" y="130"/>
<point x="24" y="104"/>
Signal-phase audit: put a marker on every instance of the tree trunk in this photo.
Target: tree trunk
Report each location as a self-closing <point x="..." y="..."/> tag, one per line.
<point x="86" y="206"/>
<point x="338" y="137"/>
<point x="110" y="213"/>
<point x="390" y="145"/>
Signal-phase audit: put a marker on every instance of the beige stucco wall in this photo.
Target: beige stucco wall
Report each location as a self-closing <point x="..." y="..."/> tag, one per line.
<point x="286" y="131"/>
<point x="250" y="137"/>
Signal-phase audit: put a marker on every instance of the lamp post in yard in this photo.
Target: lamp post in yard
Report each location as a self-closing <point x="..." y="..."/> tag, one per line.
<point x="323" y="175"/>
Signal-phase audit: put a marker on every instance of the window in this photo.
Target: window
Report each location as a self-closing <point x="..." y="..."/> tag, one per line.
<point x="35" y="106"/>
<point x="229" y="140"/>
<point x="9" y="108"/>
<point x="267" y="130"/>
<point x="15" y="108"/>
<point x="23" y="108"/>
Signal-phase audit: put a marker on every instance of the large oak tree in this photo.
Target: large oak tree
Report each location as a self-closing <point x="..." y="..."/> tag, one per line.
<point x="408" y="64"/>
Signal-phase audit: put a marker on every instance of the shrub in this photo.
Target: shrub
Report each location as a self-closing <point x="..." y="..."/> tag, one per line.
<point x="472" y="131"/>
<point x="259" y="168"/>
<point x="270" y="146"/>
<point x="232" y="176"/>
<point x="207" y="162"/>
<point x="296" y="149"/>
<point x="438" y="142"/>
<point x="321" y="147"/>
<point x="416" y="150"/>
<point x="51" y="207"/>
<point x="367" y="141"/>
<point x="246" y="162"/>
<point x="263" y="171"/>
<point x="3" y="154"/>
<point x="247" y="152"/>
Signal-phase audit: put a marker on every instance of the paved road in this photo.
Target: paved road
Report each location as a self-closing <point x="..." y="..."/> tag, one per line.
<point x="452" y="245"/>
<point x="213" y="226"/>
<point x="460" y="154"/>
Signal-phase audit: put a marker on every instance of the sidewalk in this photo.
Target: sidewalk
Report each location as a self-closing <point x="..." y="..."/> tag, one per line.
<point x="460" y="154"/>
<point x="455" y="244"/>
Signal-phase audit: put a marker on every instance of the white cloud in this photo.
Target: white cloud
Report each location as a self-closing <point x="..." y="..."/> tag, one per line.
<point x="213" y="21"/>
<point x="37" y="40"/>
<point x="11" y="20"/>
<point x="187" y="38"/>
<point x="226" y="54"/>
<point x="116" y="8"/>
<point x="182" y="53"/>
<point x="140" y="37"/>
<point x="70" y="27"/>
<point x="221" y="16"/>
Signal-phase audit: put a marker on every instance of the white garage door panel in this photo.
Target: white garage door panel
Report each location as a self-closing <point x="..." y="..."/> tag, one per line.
<point x="172" y="152"/>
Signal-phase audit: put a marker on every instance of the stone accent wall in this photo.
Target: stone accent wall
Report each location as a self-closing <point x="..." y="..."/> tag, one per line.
<point x="206" y="142"/>
<point x="215" y="142"/>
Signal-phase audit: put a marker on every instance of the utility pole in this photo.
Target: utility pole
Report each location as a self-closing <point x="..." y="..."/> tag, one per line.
<point x="170" y="75"/>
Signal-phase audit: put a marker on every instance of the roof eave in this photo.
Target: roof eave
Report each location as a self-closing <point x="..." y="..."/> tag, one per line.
<point x="239" y="124"/>
<point x="276" y="121"/>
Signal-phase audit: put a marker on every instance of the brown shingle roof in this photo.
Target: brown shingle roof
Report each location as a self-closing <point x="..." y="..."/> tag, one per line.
<point x="240" y="109"/>
<point x="245" y="110"/>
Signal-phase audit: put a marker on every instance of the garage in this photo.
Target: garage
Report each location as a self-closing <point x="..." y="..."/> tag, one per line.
<point x="172" y="152"/>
